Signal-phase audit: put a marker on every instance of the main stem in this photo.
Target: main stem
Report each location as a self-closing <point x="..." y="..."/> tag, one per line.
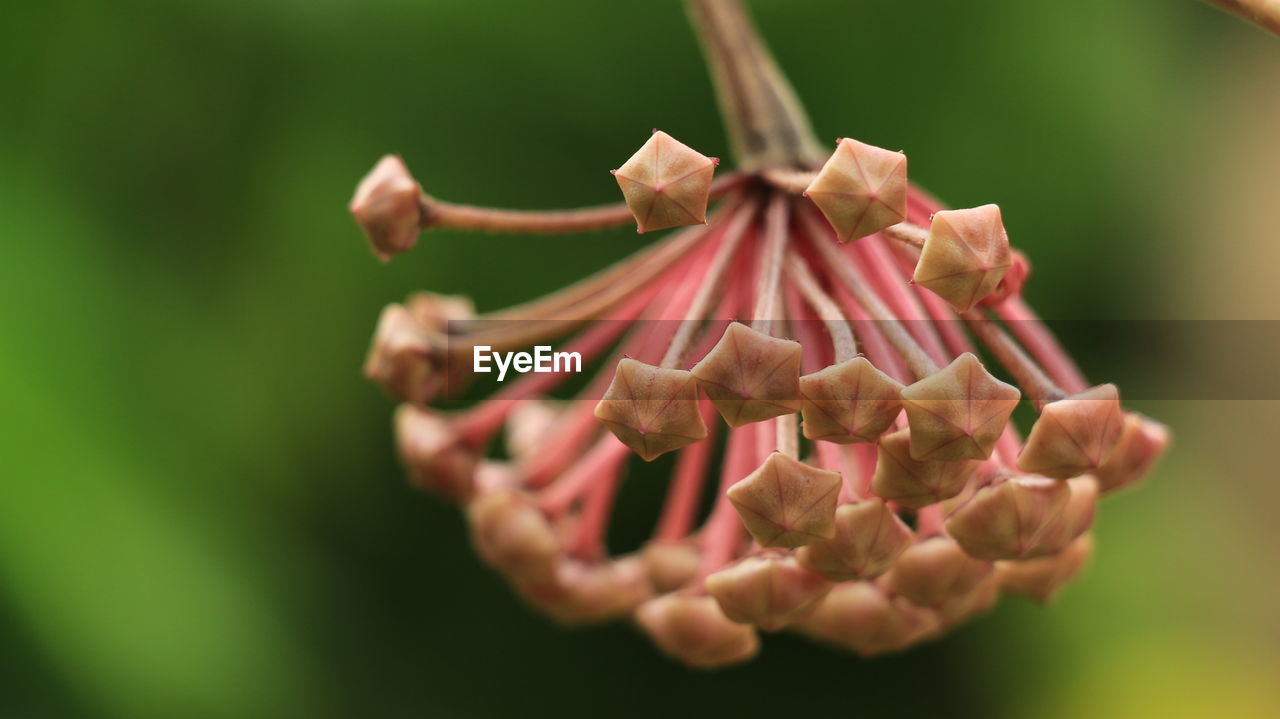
<point x="767" y="126"/>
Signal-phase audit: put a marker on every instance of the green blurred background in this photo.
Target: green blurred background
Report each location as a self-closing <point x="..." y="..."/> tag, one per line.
<point x="200" y="512"/>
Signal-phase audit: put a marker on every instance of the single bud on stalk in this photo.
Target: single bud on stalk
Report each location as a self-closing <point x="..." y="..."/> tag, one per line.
<point x="750" y="376"/>
<point x="1075" y="519"/>
<point x="965" y="255"/>
<point x="511" y="534"/>
<point x="399" y="358"/>
<point x="787" y="503"/>
<point x="915" y="483"/>
<point x="769" y="590"/>
<point x="386" y="206"/>
<point x="589" y="593"/>
<point x="958" y="412"/>
<point x="861" y="189"/>
<point x="1142" y="441"/>
<point x="435" y="311"/>
<point x="529" y="426"/>
<point x="869" y="538"/>
<point x="1042" y="578"/>
<point x="671" y="565"/>
<point x="862" y="617"/>
<point x="936" y="573"/>
<point x="1074" y="435"/>
<point x="1008" y="518"/>
<point x="692" y="629"/>
<point x="652" y="410"/>
<point x="434" y="454"/>
<point x="849" y="402"/>
<point x="666" y="183"/>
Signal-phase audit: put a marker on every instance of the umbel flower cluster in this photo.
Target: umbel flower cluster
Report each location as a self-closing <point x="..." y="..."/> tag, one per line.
<point x="817" y="349"/>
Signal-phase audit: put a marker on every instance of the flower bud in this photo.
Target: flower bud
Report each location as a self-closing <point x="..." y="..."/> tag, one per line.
<point x="399" y="358"/>
<point x="652" y="410"/>
<point x="769" y="590"/>
<point x="1013" y="281"/>
<point x="529" y="425"/>
<point x="1043" y="577"/>
<point x="787" y="503"/>
<point x="666" y="183"/>
<point x="936" y="573"/>
<point x="849" y="402"/>
<point x="869" y="537"/>
<point x="1074" y="435"/>
<point x="436" y="311"/>
<point x="1008" y="518"/>
<point x="862" y="617"/>
<point x="386" y="206"/>
<point x="511" y="534"/>
<point x="979" y="600"/>
<point x="671" y="565"/>
<point x="1076" y="518"/>
<point x="433" y="453"/>
<point x="861" y="189"/>
<point x="751" y="376"/>
<point x="1142" y="441"/>
<point x="583" y="593"/>
<point x="965" y="255"/>
<point x="692" y="629"/>
<point x="915" y="483"/>
<point x="958" y="412"/>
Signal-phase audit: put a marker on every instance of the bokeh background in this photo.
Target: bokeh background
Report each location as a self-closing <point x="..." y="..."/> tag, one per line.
<point x="200" y="512"/>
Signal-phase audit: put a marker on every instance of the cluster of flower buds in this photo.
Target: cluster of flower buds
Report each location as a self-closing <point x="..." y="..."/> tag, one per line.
<point x="815" y="345"/>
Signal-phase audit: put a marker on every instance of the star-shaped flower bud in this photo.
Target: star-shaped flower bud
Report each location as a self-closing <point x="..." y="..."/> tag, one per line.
<point x="1074" y="435"/>
<point x="787" y="503"/>
<point x="862" y="617"/>
<point x="666" y="183"/>
<point x="936" y="572"/>
<point x="869" y="537"/>
<point x="977" y="601"/>
<point x="1141" y="444"/>
<point x="958" y="412"/>
<point x="1008" y="518"/>
<point x="862" y="189"/>
<point x="849" y="402"/>
<point x="1042" y="578"/>
<point x="399" y="357"/>
<point x="965" y="255"/>
<point x="915" y="483"/>
<point x="692" y="629"/>
<point x="671" y="565"/>
<point x="589" y="593"/>
<point x="652" y="410"/>
<point x="435" y="311"/>
<point x="1076" y="518"/>
<point x="511" y="534"/>
<point x="386" y="207"/>
<point x="751" y="376"/>
<point x="434" y="454"/>
<point x="770" y="590"/>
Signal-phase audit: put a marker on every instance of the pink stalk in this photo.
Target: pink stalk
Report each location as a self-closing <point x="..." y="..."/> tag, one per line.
<point x="722" y="534"/>
<point x="685" y="493"/>
<point x="588" y="537"/>
<point x="893" y="287"/>
<point x="604" y="459"/>
<point x="1040" y="342"/>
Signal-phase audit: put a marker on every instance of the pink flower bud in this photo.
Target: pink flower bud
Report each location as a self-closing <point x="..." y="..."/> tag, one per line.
<point x="652" y="410"/>
<point x="958" y="412"/>
<point x="1042" y="578"/>
<point x="861" y="189"/>
<point x="965" y="255"/>
<point x="869" y="538"/>
<point x="769" y="590"/>
<point x="861" y="617"/>
<point x="386" y="206"/>
<point x="589" y="593"/>
<point x="692" y="629"/>
<point x="849" y="402"/>
<point x="978" y="600"/>
<point x="751" y="376"/>
<point x="1076" y="518"/>
<point x="1141" y="443"/>
<point x="511" y="534"/>
<point x="914" y="483"/>
<point x="399" y="358"/>
<point x="787" y="503"/>
<point x="936" y="573"/>
<point x="1074" y="435"/>
<point x="671" y="565"/>
<point x="1008" y="518"/>
<point x="1012" y="282"/>
<point x="436" y="311"/>
<point x="529" y="425"/>
<point x="434" y="454"/>
<point x="666" y="183"/>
